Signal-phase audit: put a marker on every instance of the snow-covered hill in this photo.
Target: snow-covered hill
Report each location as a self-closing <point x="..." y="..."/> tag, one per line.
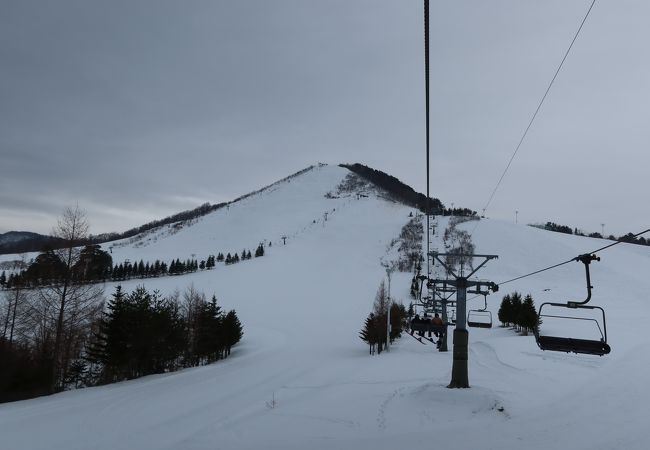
<point x="289" y="208"/>
<point x="302" y="305"/>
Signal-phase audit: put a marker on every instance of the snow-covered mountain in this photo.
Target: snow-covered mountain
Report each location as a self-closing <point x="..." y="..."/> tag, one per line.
<point x="302" y="306"/>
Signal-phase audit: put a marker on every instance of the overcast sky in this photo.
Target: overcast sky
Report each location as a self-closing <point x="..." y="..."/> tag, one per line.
<point x="139" y="109"/>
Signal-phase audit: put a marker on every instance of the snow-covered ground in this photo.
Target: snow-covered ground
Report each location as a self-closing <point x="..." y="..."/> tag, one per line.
<point x="302" y="306"/>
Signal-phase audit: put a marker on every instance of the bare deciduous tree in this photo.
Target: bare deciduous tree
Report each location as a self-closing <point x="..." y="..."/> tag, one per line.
<point x="73" y="303"/>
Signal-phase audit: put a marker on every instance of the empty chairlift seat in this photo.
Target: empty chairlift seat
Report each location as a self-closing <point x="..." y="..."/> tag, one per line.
<point x="479" y="319"/>
<point x="571" y="328"/>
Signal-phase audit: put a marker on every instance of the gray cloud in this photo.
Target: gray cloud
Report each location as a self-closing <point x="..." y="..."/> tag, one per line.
<point x="139" y="109"/>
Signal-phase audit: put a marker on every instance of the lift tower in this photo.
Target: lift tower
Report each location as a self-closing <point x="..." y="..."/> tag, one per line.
<point x="460" y="282"/>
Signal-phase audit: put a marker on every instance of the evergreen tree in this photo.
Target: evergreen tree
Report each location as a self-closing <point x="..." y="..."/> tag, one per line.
<point x="516" y="302"/>
<point x="397" y="318"/>
<point x="202" y="265"/>
<point x="228" y="259"/>
<point x="368" y="333"/>
<point x="11" y="281"/>
<point x="3" y="279"/>
<point x="92" y="263"/>
<point x="208" y="334"/>
<point x="505" y="311"/>
<point x="232" y="331"/>
<point x="528" y="319"/>
<point x="76" y="373"/>
<point x="259" y="251"/>
<point x="110" y="344"/>
<point x="118" y="272"/>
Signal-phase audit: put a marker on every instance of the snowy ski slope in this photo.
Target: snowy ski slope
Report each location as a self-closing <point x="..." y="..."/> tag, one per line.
<point x="302" y="306"/>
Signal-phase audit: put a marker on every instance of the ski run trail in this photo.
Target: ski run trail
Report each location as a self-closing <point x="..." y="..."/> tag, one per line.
<point x="302" y="379"/>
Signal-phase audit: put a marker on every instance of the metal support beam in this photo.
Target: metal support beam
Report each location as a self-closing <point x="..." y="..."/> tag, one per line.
<point x="459" y="372"/>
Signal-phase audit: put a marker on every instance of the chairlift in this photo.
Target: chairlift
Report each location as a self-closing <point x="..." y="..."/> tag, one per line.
<point x="598" y="346"/>
<point x="480" y="318"/>
<point x="451" y="316"/>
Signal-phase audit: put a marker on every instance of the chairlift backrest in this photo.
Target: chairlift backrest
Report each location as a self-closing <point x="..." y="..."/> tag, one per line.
<point x="551" y="342"/>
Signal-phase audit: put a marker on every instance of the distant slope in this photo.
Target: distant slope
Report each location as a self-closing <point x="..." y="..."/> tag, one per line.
<point x="289" y="208"/>
<point x="191" y="214"/>
<point x="25" y="241"/>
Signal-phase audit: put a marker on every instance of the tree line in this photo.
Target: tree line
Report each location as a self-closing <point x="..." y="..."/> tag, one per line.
<point x="629" y="238"/>
<point x="518" y="313"/>
<point x="143" y="333"/>
<point x="95" y="265"/>
<point x="133" y="335"/>
<point x="396" y="188"/>
<point x="57" y="334"/>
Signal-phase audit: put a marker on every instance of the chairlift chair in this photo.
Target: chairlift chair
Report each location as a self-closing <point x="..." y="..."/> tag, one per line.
<point x="451" y="316"/>
<point x="598" y="346"/>
<point x="480" y="318"/>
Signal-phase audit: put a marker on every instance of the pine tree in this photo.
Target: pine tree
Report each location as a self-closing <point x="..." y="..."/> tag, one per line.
<point x="3" y="279"/>
<point x="368" y="333"/>
<point x="232" y="331"/>
<point x="109" y="346"/>
<point x="505" y="311"/>
<point x="259" y="251"/>
<point x="516" y="302"/>
<point x="209" y="342"/>
<point x="397" y="315"/>
<point x="528" y="318"/>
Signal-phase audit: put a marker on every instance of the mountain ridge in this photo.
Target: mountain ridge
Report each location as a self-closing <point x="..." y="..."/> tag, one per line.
<point x="398" y="190"/>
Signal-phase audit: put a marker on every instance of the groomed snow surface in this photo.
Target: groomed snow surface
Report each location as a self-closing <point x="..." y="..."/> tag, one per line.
<point x="302" y="306"/>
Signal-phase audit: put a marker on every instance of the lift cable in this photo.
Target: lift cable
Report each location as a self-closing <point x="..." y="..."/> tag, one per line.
<point x="426" y="93"/>
<point x="539" y="106"/>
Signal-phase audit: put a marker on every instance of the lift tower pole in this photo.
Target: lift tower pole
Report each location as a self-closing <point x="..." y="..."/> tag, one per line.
<point x="459" y="374"/>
